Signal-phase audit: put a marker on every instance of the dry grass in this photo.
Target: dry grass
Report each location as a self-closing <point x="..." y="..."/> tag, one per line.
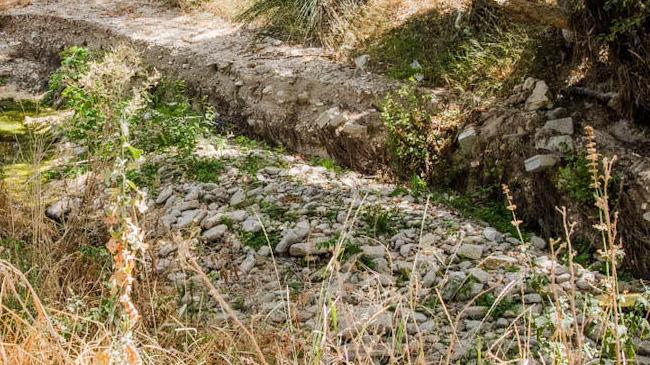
<point x="56" y="306"/>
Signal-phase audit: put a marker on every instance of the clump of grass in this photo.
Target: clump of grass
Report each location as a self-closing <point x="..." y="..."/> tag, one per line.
<point x="327" y="163"/>
<point x="204" y="170"/>
<point x="312" y="19"/>
<point x="380" y="221"/>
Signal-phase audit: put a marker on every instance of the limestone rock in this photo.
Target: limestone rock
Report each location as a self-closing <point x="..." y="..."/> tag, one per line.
<point x="562" y="125"/>
<point x="538" y="98"/>
<point x="540" y="162"/>
<point x="238" y="198"/>
<point x="470" y="251"/>
<point x="214" y="233"/>
<point x="295" y="235"/>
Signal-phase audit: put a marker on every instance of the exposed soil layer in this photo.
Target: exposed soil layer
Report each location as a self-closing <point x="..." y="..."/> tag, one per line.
<point x="287" y="95"/>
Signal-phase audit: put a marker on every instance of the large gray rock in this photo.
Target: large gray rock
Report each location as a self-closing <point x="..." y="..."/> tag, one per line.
<point x="470" y="251"/>
<point x="294" y="235"/>
<point x="214" y="233"/>
<point x="540" y="162"/>
<point x="538" y="98"/>
<point x="238" y="198"/>
<point x="562" y="125"/>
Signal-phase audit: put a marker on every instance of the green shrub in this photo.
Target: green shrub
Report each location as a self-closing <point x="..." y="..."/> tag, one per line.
<point x="166" y="120"/>
<point x="170" y="120"/>
<point x="574" y="179"/>
<point x="418" y="138"/>
<point x="74" y="63"/>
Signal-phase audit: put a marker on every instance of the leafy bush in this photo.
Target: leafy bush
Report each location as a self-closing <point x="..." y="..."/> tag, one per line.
<point x="165" y="120"/>
<point x="74" y="63"/>
<point x="170" y="121"/>
<point x="418" y="138"/>
<point x="574" y="179"/>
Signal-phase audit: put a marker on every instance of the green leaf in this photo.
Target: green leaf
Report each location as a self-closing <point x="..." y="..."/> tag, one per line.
<point x="135" y="152"/>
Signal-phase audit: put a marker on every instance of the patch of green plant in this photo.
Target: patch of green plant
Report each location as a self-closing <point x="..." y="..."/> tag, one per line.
<point x="398" y="191"/>
<point x="256" y="240"/>
<point x="574" y="179"/>
<point x="170" y="120"/>
<point x="64" y="172"/>
<point x="96" y="254"/>
<point x="419" y="137"/>
<point x="251" y="164"/>
<point x="331" y="215"/>
<point x="418" y="186"/>
<point x="204" y="169"/>
<point x="273" y="209"/>
<point x="166" y="120"/>
<point x="227" y="221"/>
<point x="249" y="143"/>
<point x="15" y="251"/>
<point x="145" y="176"/>
<point x="482" y="205"/>
<point x="348" y="249"/>
<point x="500" y="308"/>
<point x="380" y="221"/>
<point x="74" y="64"/>
<point x="327" y="163"/>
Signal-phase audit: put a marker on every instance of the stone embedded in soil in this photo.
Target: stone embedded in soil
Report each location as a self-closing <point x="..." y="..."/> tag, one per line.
<point x="467" y="139"/>
<point x="373" y="252"/>
<point x="499" y="261"/>
<point x="470" y="251"/>
<point x="540" y="162"/>
<point x="538" y="242"/>
<point x="562" y="125"/>
<point x="251" y="225"/>
<point x="294" y="235"/>
<point x="492" y="234"/>
<point x="214" y="233"/>
<point x="538" y="98"/>
<point x="248" y="264"/>
<point x="561" y="144"/>
<point x="165" y="194"/>
<point x="238" y="198"/>
<point x="59" y="209"/>
<point x="303" y="249"/>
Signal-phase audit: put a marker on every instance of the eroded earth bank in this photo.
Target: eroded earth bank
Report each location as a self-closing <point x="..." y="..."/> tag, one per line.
<point x="301" y="231"/>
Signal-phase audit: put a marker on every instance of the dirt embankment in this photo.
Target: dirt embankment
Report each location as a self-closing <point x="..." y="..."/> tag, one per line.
<point x="288" y="95"/>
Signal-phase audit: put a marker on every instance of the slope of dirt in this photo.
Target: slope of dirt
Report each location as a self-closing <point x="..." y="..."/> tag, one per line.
<point x="288" y="95"/>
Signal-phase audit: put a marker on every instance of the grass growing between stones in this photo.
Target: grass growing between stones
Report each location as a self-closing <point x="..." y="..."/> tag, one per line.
<point x="401" y="307"/>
